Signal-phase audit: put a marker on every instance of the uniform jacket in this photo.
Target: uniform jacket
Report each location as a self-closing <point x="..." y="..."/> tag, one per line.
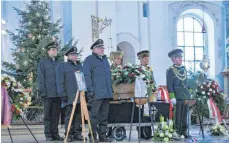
<point x="66" y="80"/>
<point x="177" y="84"/>
<point x="46" y="76"/>
<point x="98" y="76"/>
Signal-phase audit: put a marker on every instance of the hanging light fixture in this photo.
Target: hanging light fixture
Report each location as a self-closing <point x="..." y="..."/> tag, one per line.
<point x="203" y="26"/>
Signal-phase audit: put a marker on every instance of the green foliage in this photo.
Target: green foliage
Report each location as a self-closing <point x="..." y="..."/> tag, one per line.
<point x="35" y="32"/>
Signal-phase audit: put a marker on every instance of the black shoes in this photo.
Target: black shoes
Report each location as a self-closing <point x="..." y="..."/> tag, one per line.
<point x="104" y="140"/>
<point x="49" y="139"/>
<point x="57" y="137"/>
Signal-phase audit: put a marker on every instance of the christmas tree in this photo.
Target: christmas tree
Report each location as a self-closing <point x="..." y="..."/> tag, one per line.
<point x="36" y="31"/>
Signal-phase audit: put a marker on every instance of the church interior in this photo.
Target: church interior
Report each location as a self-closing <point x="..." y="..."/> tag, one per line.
<point x="197" y="31"/>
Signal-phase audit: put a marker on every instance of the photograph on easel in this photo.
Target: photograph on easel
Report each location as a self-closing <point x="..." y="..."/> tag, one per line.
<point x="80" y="81"/>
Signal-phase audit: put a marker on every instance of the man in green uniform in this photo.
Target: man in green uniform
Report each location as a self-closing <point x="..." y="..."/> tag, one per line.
<point x="176" y="78"/>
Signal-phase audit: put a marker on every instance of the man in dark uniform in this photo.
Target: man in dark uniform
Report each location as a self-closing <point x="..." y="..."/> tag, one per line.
<point x="99" y="89"/>
<point x="48" y="92"/>
<point x="146" y="131"/>
<point x="67" y="88"/>
<point x="176" y="77"/>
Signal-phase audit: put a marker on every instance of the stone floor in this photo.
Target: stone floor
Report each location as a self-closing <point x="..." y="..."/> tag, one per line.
<point x="21" y="135"/>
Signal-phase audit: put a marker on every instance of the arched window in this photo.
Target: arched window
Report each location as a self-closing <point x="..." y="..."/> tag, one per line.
<point x="190" y="39"/>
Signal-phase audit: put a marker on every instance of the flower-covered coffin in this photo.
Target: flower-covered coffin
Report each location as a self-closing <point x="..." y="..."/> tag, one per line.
<point x="123" y="79"/>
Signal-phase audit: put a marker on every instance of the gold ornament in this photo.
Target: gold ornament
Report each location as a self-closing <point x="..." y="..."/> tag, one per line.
<point x="179" y="75"/>
<point x="205" y="63"/>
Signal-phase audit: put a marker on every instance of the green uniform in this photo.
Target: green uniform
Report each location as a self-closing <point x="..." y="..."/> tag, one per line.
<point x="176" y="78"/>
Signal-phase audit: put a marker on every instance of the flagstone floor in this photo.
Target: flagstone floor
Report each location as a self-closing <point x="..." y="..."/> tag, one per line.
<point x="21" y="135"/>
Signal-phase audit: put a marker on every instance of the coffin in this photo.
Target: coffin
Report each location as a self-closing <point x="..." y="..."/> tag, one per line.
<point x="123" y="91"/>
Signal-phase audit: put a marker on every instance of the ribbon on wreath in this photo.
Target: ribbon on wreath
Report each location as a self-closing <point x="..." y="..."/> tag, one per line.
<point x="214" y="111"/>
<point x="6" y="108"/>
<point x="163" y="95"/>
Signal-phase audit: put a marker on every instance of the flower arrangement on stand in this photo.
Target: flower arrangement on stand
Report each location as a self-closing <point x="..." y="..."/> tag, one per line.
<point x="20" y="100"/>
<point x="164" y="131"/>
<point x="218" y="130"/>
<point x="210" y="89"/>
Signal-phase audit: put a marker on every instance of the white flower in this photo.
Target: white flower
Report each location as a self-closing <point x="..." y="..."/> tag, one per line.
<point x="203" y="92"/>
<point x="199" y="99"/>
<point x="213" y="91"/>
<point x="21" y="98"/>
<point x="142" y="76"/>
<point x="204" y="97"/>
<point x="210" y="89"/>
<point x="201" y="87"/>
<point x="208" y="93"/>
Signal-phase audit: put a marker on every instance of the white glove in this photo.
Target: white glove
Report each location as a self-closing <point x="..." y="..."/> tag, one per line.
<point x="173" y="101"/>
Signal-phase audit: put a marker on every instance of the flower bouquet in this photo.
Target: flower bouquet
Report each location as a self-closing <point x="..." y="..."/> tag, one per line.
<point x="218" y="130"/>
<point x="164" y="131"/>
<point x="20" y="100"/>
<point x="207" y="89"/>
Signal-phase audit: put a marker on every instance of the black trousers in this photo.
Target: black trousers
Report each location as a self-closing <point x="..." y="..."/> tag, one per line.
<point x="99" y="117"/>
<point x="76" y="122"/>
<point x="181" y="110"/>
<point x="62" y="115"/>
<point x="51" y="116"/>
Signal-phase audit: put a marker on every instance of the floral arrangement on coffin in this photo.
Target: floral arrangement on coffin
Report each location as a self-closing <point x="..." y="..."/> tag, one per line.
<point x="20" y="100"/>
<point x="218" y="130"/>
<point x="129" y="72"/>
<point x="164" y="131"/>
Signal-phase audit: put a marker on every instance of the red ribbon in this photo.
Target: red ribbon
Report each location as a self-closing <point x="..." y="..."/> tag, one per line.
<point x="215" y="110"/>
<point x="164" y="96"/>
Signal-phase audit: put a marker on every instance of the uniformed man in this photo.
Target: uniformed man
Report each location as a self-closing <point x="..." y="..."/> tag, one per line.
<point x="67" y="88"/>
<point x="48" y="92"/>
<point x="176" y="77"/>
<point x="143" y="56"/>
<point x="99" y="89"/>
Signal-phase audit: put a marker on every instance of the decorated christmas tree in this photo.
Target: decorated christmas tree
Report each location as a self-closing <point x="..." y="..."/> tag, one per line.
<point x="36" y="31"/>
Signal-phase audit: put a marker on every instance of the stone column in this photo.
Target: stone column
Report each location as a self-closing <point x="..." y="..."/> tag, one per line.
<point x="225" y="72"/>
<point x="226" y="4"/>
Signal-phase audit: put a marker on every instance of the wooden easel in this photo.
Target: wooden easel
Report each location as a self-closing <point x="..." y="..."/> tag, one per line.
<point x="84" y="115"/>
